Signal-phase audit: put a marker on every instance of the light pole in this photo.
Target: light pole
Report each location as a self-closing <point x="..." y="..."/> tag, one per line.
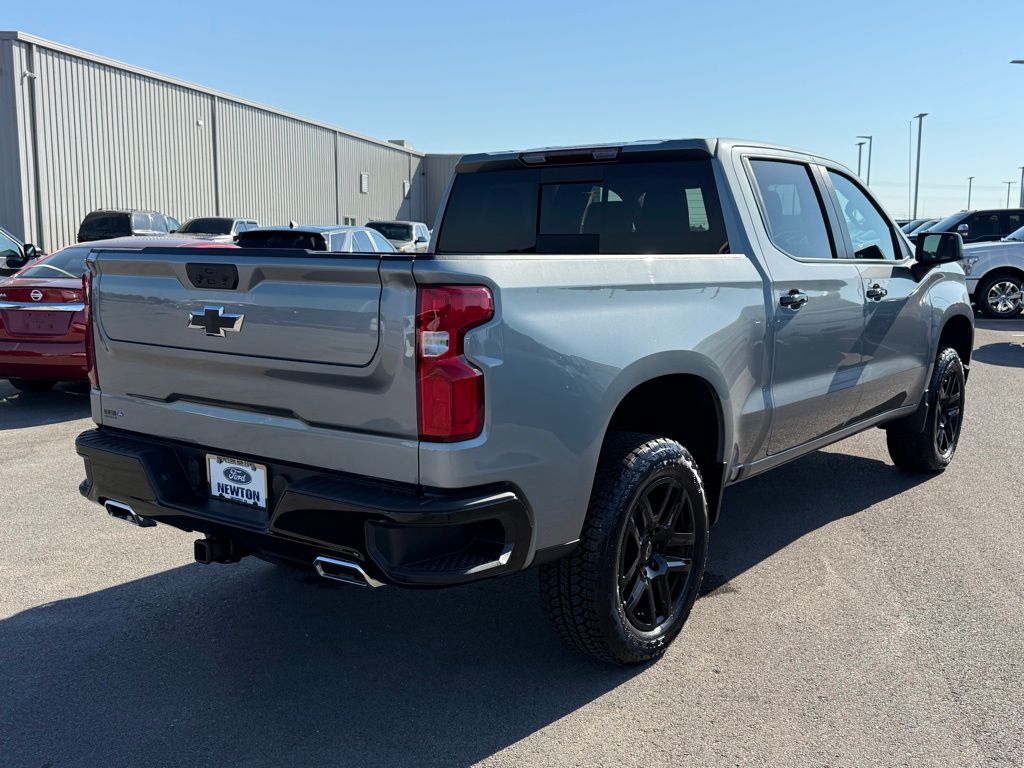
<point x="970" y="183"/>
<point x="1008" y="185"/>
<point x="860" y="151"/>
<point x="871" y="143"/>
<point x="917" y="176"/>
<point x="1022" y="186"/>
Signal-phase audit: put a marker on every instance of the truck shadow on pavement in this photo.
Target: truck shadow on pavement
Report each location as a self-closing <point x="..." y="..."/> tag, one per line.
<point x="32" y="409"/>
<point x="254" y="665"/>
<point x="1009" y="355"/>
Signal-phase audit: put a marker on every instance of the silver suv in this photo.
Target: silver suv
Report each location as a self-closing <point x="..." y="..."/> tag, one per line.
<point x="600" y="341"/>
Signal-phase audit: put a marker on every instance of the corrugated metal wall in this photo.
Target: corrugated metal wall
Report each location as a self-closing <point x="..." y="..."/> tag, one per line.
<point x="274" y="168"/>
<point x="110" y="135"/>
<point x="389" y="170"/>
<point x="111" y="138"/>
<point x="16" y="197"/>
<point x="438" y="171"/>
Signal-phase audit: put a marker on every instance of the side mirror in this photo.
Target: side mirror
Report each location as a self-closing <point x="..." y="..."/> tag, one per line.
<point x="963" y="229"/>
<point x="30" y="251"/>
<point x="421" y="239"/>
<point x="939" y="247"/>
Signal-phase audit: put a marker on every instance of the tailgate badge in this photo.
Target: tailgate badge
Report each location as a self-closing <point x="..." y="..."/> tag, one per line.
<point x="214" y="321"/>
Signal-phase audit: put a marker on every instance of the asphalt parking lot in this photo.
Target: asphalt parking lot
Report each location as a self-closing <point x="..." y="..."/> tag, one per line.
<point x="853" y="615"/>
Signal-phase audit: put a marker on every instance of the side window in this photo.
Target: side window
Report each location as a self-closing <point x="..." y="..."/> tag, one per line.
<point x="1011" y="223"/>
<point x="982" y="225"/>
<point x="338" y="243"/>
<point x="140" y="221"/>
<point x="8" y="247"/>
<point x="383" y="246"/>
<point x="869" y="231"/>
<point x="240" y="226"/>
<point x="361" y="242"/>
<point x="159" y="223"/>
<point x="792" y="209"/>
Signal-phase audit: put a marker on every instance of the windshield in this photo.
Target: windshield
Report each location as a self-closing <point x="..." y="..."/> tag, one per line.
<point x="1017" y="235"/>
<point x="910" y="226"/>
<point x="922" y="226"/>
<point x="306" y="241"/>
<point x="392" y="231"/>
<point x="949" y="223"/>
<point x="63" y="264"/>
<point x="208" y="226"/>
<point x="627" y="208"/>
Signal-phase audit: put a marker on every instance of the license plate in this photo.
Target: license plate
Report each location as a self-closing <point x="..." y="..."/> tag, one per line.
<point x="236" y="480"/>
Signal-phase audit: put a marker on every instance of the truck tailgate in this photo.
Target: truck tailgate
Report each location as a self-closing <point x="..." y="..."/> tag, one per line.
<point x="260" y="353"/>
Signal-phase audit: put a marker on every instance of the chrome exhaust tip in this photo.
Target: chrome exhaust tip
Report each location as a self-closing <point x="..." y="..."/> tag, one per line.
<point x="123" y="511"/>
<point x="345" y="572"/>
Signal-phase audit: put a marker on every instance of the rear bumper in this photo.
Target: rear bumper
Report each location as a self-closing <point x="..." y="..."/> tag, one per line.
<point x="58" y="361"/>
<point x="399" y="534"/>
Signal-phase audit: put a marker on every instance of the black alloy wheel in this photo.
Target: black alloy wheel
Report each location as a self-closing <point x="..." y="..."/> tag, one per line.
<point x="656" y="554"/>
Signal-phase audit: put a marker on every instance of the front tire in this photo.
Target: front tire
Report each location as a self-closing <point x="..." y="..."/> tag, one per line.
<point x="1000" y="296"/>
<point x="627" y="589"/>
<point x="32" y="385"/>
<point x="932" y="450"/>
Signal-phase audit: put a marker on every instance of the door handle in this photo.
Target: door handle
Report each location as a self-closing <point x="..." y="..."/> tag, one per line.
<point x="877" y="292"/>
<point x="794" y="299"/>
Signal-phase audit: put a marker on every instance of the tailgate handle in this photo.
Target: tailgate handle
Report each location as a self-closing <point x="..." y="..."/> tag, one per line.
<point x="221" y="277"/>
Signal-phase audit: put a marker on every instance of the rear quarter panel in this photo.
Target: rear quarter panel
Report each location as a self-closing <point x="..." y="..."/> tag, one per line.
<point x="572" y="336"/>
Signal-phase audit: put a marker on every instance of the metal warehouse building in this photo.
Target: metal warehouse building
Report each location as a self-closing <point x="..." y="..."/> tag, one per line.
<point x="80" y="132"/>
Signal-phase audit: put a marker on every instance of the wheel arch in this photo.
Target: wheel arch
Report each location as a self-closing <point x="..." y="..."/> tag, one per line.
<point x="686" y="403"/>
<point x="958" y="332"/>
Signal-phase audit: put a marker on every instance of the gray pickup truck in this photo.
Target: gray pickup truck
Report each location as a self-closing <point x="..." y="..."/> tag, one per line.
<point x="599" y="342"/>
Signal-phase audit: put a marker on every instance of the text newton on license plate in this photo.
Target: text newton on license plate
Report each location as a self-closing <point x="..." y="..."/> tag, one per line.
<point x="237" y="480"/>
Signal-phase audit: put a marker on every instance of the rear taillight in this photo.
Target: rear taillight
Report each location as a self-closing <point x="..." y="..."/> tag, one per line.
<point x="90" y="344"/>
<point x="451" y="391"/>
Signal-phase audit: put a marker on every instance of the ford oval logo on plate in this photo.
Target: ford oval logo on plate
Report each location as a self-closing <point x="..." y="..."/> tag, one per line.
<point x="36" y="295"/>
<point x="237" y="475"/>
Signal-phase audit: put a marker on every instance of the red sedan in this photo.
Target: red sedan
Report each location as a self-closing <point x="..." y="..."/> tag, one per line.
<point x="43" y="318"/>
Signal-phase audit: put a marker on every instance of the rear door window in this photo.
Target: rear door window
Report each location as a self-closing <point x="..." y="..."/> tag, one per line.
<point x="792" y="209"/>
<point x="383" y="246"/>
<point x="141" y="222"/>
<point x="361" y="242"/>
<point x="623" y="208"/>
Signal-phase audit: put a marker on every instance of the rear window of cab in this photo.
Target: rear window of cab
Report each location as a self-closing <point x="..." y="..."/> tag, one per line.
<point x="622" y="208"/>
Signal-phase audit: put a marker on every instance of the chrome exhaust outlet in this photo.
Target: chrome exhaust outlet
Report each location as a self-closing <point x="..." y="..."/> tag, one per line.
<point x="344" y="571"/>
<point x="123" y="511"/>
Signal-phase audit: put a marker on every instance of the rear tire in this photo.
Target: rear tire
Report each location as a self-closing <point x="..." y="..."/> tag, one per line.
<point x="932" y="450"/>
<point x="627" y="589"/>
<point x="32" y="385"/>
<point x="1000" y="296"/>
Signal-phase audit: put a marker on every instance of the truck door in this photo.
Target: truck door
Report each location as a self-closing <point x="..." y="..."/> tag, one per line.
<point x="896" y="327"/>
<point x="818" y="303"/>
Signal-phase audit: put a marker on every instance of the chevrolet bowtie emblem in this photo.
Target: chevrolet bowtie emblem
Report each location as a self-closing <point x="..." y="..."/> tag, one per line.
<point x="214" y="321"/>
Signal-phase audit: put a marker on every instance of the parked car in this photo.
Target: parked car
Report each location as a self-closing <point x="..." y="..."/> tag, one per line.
<point x="125" y="222"/>
<point x="217" y="228"/>
<point x="918" y="225"/>
<point x="311" y="237"/>
<point x="995" y="275"/>
<point x="15" y="254"/>
<point x="406" y="236"/>
<point x="980" y="226"/>
<point x="43" y="318"/>
<point x="912" y="224"/>
<point x="601" y="340"/>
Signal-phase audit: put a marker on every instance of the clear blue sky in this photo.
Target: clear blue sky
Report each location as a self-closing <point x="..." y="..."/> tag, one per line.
<point x="461" y="77"/>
